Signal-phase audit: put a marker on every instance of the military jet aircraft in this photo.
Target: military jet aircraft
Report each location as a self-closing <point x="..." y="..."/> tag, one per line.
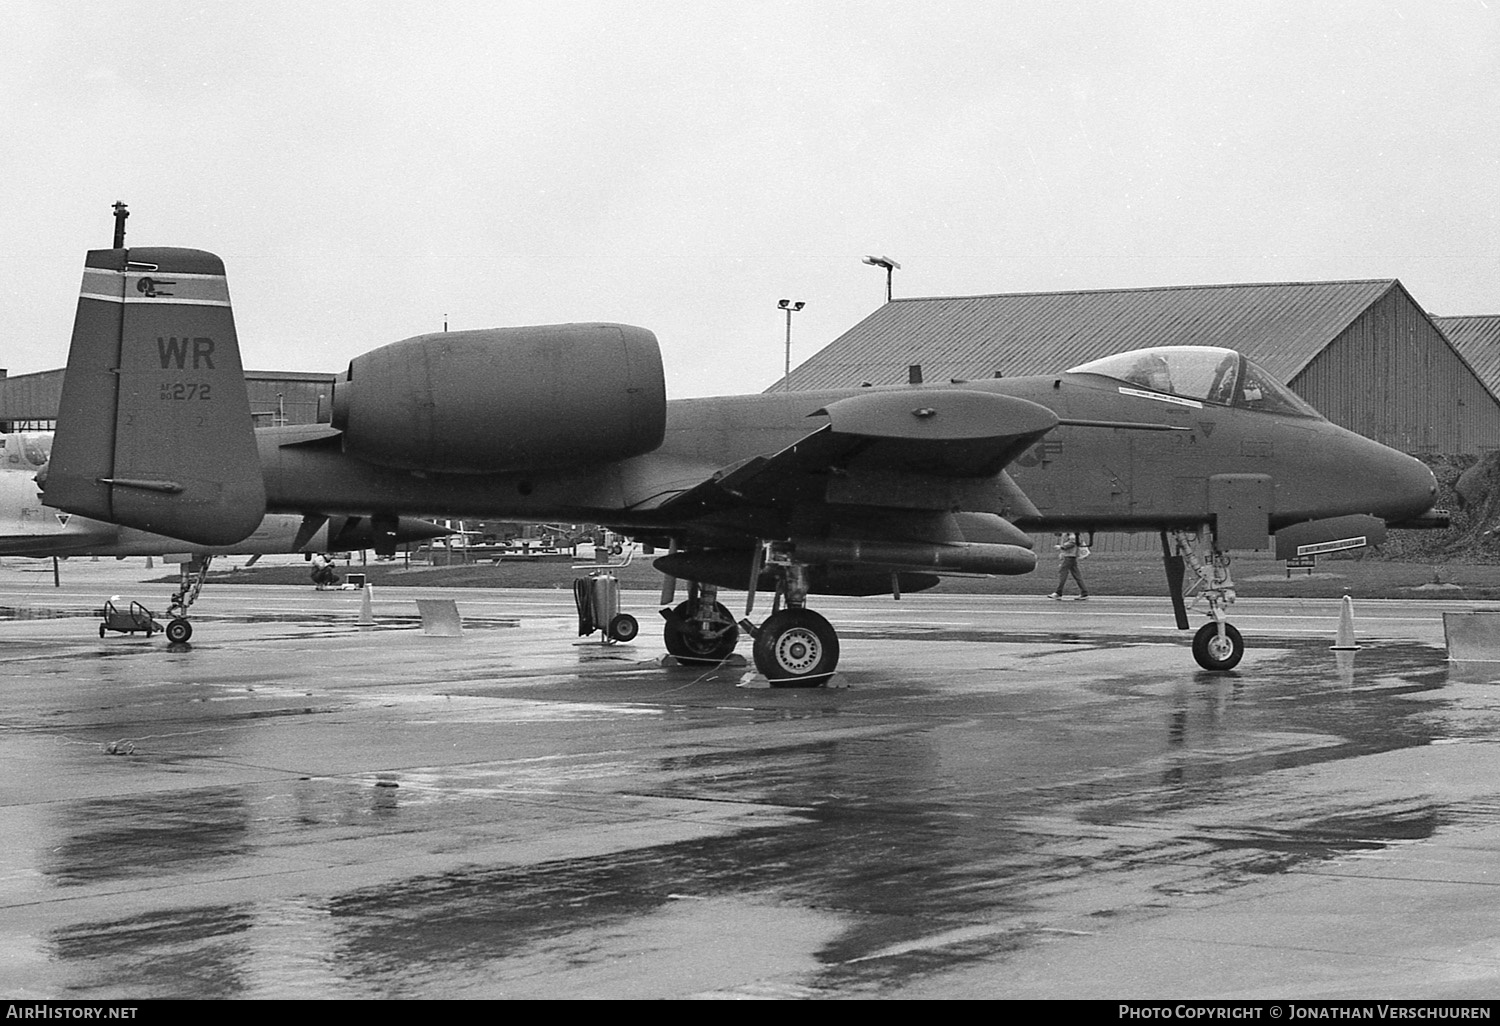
<point x="28" y="527"/>
<point x="856" y="491"/>
<point x="25" y="450"/>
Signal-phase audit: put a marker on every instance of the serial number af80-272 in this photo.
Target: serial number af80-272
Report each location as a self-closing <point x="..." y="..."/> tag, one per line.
<point x="185" y="390"/>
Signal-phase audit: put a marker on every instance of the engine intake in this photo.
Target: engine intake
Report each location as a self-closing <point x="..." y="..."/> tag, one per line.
<point x="505" y="399"/>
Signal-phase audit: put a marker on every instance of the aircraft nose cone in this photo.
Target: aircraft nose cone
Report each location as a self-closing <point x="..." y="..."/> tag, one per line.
<point x="1423" y="483"/>
<point x="1399" y="486"/>
<point x="1345" y="473"/>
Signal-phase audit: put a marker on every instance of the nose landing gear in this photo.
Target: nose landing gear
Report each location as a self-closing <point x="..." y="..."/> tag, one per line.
<point x="1217" y="646"/>
<point x="194" y="573"/>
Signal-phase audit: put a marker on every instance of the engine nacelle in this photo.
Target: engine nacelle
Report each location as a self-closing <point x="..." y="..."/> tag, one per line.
<point x="505" y="399"/>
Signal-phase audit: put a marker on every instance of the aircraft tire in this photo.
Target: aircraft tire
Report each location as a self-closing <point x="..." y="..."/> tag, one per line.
<point x="623" y="627"/>
<point x="796" y="648"/>
<point x="689" y="646"/>
<point x="1214" y="652"/>
<point x="178" y="631"/>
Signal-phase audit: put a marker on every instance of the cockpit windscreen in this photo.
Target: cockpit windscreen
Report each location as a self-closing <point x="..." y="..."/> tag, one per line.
<point x="1205" y="374"/>
<point x="25" y="450"/>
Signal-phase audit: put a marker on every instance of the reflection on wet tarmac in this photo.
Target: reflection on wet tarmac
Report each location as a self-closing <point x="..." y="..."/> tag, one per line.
<point x="107" y="839"/>
<point x="184" y="953"/>
<point x="42" y="613"/>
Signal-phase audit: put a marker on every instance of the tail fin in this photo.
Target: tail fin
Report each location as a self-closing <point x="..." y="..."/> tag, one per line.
<point x="154" y="426"/>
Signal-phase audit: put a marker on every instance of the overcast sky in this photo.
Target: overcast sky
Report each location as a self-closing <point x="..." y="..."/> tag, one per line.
<point x="366" y="169"/>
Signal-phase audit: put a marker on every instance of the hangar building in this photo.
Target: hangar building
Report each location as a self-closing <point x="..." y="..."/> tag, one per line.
<point x="1364" y="353"/>
<point x="29" y="402"/>
<point x="1478" y="340"/>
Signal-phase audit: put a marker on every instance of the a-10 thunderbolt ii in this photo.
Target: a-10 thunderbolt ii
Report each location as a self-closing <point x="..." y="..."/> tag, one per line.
<point x="30" y="528"/>
<point x="856" y="491"/>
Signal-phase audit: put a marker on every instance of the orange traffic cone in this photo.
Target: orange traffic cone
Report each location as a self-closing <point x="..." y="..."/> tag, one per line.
<point x="1344" y="641"/>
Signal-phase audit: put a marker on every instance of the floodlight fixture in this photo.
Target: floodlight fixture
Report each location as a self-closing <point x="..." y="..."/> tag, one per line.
<point x="791" y="306"/>
<point x="890" y="268"/>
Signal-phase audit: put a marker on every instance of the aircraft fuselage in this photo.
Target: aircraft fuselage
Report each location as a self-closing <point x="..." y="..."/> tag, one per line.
<point x="1161" y="473"/>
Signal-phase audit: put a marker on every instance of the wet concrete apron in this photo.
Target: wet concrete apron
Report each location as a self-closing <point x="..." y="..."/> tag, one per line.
<point x="295" y="807"/>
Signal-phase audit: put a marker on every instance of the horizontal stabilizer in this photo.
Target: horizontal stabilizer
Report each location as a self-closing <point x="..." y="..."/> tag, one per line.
<point x="154" y="428"/>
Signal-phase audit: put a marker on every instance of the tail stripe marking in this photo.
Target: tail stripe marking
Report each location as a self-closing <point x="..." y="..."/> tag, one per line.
<point x="135" y="286"/>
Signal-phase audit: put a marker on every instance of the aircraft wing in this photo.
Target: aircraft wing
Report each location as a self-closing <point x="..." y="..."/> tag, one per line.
<point x="915" y="449"/>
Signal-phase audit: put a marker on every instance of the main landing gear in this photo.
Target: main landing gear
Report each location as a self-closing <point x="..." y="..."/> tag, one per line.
<point x="794" y="647"/>
<point x="1217" y="646"/>
<point x="700" y="630"/>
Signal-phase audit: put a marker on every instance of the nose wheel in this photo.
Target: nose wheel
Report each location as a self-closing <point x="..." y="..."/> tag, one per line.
<point x="194" y="574"/>
<point x="1218" y="650"/>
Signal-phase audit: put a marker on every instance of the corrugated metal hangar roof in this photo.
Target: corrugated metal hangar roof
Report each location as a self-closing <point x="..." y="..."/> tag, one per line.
<point x="1478" y="340"/>
<point x="1280" y="326"/>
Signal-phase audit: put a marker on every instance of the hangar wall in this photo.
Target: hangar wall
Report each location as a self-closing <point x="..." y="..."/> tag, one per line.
<point x="1393" y="376"/>
<point x="287" y="398"/>
<point x="29" y="402"/>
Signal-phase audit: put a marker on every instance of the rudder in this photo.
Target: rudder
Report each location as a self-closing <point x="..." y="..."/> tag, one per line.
<point x="154" y="426"/>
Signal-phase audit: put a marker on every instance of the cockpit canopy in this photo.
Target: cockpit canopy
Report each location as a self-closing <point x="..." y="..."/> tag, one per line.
<point x="25" y="450"/>
<point x="1204" y="374"/>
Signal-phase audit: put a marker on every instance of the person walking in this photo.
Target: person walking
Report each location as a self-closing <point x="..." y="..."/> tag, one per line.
<point x="1069" y="551"/>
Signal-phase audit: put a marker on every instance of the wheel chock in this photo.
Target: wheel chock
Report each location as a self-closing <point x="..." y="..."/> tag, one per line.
<point x="440" y="618"/>
<point x="732" y="661"/>
<point x="756" y="680"/>
<point x="1473" y="637"/>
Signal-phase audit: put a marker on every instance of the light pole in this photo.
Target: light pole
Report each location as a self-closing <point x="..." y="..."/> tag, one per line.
<point x="890" y="267"/>
<point x="791" y="306"/>
<point x="121" y="213"/>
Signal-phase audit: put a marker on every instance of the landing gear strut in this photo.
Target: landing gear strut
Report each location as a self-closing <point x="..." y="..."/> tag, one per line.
<point x="194" y="573"/>
<point x="795" y="647"/>
<point x="1217" y="645"/>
